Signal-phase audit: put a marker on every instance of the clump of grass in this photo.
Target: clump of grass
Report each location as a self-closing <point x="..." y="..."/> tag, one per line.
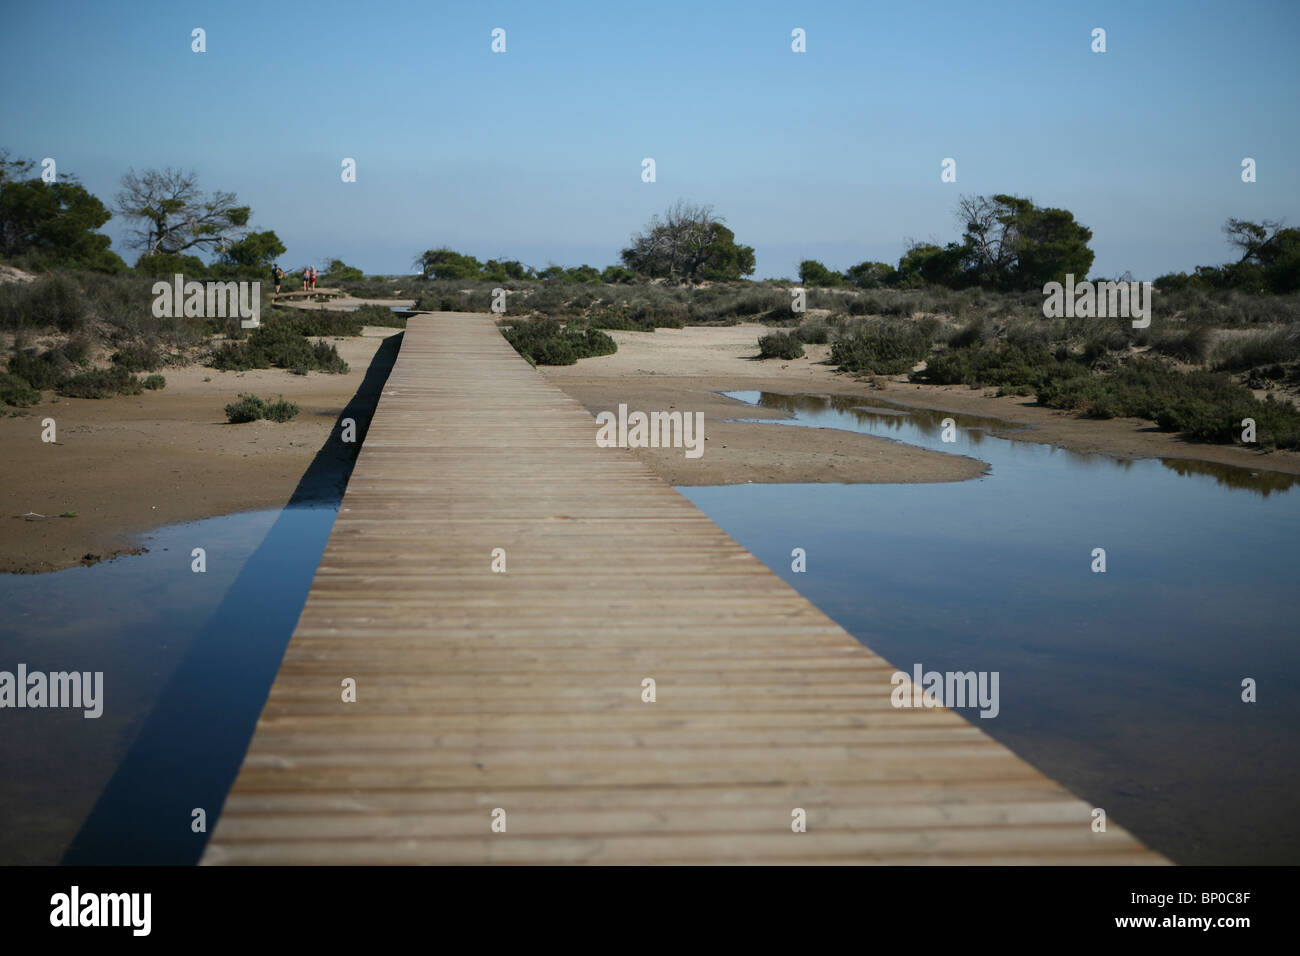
<point x="783" y="345"/>
<point x="881" y="346"/>
<point x="813" y="332"/>
<point x="546" y="342"/>
<point x="1188" y="344"/>
<point x="138" y="358"/>
<point x="280" y="346"/>
<point x="1259" y="348"/>
<point x="251" y="408"/>
<point x="101" y="383"/>
<point x="15" y="390"/>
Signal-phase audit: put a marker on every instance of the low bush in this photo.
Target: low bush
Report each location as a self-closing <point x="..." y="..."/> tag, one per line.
<point x="380" y="315"/>
<point x="250" y="408"/>
<point x="1204" y="406"/>
<point x="138" y="358"/>
<point x="101" y="383"/>
<point x="880" y="346"/>
<point x="15" y="390"/>
<point x="813" y="332"/>
<point x="546" y="342"/>
<point x="41" y="371"/>
<point x="1190" y="344"/>
<point x="783" y="345"/>
<point x="154" y="382"/>
<point x="1014" y="368"/>
<point x="278" y="345"/>
<point x="1258" y="348"/>
<point x="328" y="322"/>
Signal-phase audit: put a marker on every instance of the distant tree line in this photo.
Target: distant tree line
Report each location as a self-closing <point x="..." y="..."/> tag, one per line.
<point x="1007" y="243"/>
<point x="1269" y="261"/>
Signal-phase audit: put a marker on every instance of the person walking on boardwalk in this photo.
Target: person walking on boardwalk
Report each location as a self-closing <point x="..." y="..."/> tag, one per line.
<point x="277" y="275"/>
<point x="306" y="278"/>
<point x="313" y="278"/>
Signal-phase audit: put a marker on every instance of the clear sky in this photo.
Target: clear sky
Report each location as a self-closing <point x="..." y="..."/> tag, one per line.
<point x="536" y="153"/>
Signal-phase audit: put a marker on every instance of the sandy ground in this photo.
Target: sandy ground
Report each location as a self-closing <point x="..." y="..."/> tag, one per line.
<point x="127" y="465"/>
<point x="685" y="368"/>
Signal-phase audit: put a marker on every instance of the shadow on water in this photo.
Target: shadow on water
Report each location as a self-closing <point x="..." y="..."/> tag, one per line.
<point x="188" y="752"/>
<point x="1125" y="681"/>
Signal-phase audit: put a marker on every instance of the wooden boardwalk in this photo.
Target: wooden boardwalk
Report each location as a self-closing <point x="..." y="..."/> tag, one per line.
<point x="478" y="691"/>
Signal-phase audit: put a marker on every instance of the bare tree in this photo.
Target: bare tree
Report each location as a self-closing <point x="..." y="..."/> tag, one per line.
<point x="174" y="215"/>
<point x="676" y="245"/>
<point x="1253" y="239"/>
<point x="990" y="231"/>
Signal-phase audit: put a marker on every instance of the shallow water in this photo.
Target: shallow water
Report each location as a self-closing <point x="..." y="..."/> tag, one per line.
<point x="187" y="660"/>
<point x="1125" y="685"/>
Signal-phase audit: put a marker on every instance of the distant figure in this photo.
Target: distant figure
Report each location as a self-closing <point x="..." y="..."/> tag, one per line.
<point x="306" y="278"/>
<point x="277" y="274"/>
<point x="313" y="278"/>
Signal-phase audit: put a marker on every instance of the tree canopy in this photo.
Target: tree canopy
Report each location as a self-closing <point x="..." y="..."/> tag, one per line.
<point x="172" y="215"/>
<point x="53" y="221"/>
<point x="688" y="243"/>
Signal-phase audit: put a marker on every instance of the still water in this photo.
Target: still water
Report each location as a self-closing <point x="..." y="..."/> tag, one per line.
<point x="1126" y="685"/>
<point x="187" y="658"/>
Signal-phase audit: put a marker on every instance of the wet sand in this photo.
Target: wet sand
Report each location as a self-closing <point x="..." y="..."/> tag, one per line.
<point x="686" y="369"/>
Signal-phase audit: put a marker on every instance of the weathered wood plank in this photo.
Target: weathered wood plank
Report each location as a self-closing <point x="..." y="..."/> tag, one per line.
<point x="522" y="691"/>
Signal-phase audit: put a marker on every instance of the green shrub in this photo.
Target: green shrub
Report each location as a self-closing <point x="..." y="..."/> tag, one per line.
<point x="880" y="346"/>
<point x="813" y="332"/>
<point x="1014" y="368"/>
<point x="1204" y="406"/>
<point x="328" y="322"/>
<point x="280" y="411"/>
<point x="154" y="382"/>
<point x="250" y="408"/>
<point x="780" y="345"/>
<point x="380" y="315"/>
<point x="138" y="358"/>
<point x="101" y="383"/>
<point x="278" y="345"/>
<point x="15" y="390"/>
<point x="545" y="342"/>
<point x="246" y="408"/>
<point x="46" y="370"/>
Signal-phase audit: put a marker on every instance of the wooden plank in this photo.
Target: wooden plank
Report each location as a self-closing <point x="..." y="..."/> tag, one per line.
<point x="522" y="691"/>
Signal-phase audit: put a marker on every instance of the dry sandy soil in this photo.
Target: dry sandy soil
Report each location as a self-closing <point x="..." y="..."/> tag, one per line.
<point x="130" y="464"/>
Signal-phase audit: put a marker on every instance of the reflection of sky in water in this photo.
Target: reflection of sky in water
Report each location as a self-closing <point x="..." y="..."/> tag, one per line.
<point x="1125" y="686"/>
<point x="180" y="684"/>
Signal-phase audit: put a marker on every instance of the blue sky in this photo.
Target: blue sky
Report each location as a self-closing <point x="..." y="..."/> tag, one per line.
<point x="536" y="153"/>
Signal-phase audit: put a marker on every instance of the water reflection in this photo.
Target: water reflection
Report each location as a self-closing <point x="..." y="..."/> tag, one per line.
<point x="187" y="658"/>
<point x="924" y="427"/>
<point x="1125" y="686"/>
